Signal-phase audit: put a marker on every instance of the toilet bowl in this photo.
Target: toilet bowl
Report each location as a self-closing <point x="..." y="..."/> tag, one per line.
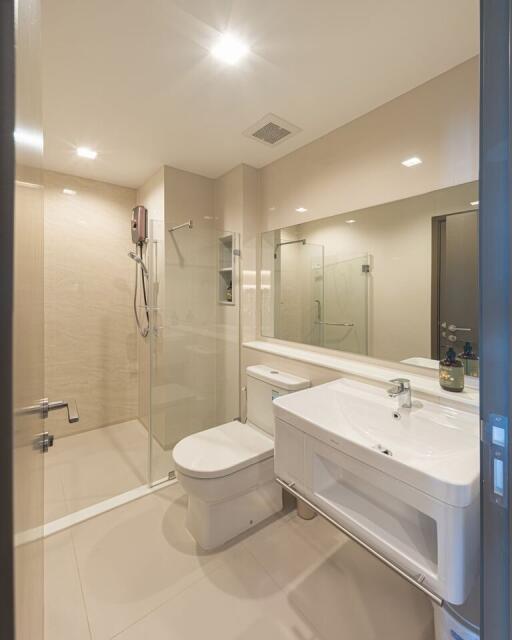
<point x="228" y="471"/>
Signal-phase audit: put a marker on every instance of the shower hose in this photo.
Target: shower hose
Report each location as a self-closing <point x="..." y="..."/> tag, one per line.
<point x="143" y="330"/>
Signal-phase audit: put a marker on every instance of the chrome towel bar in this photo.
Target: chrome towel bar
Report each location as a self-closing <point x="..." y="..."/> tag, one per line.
<point x="415" y="581"/>
<point x="335" y="324"/>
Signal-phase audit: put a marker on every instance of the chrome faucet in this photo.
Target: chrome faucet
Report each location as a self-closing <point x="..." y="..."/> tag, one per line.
<point x="401" y="389"/>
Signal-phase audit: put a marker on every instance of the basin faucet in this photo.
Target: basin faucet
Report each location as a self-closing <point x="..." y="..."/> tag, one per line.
<point x="401" y="389"/>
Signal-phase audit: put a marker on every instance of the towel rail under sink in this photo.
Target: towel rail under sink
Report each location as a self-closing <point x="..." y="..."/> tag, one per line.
<point x="416" y="581"/>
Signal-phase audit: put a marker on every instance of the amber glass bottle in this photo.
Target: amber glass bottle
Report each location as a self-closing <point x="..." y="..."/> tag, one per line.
<point x="451" y="372"/>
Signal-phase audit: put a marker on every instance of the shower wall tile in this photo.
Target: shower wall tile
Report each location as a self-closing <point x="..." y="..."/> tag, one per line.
<point x="90" y="336"/>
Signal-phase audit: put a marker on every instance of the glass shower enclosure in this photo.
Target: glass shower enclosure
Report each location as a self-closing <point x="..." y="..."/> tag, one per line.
<point x="192" y="360"/>
<point x="311" y="297"/>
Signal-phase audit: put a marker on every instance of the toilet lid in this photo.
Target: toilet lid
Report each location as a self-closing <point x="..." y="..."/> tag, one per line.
<point x="222" y="450"/>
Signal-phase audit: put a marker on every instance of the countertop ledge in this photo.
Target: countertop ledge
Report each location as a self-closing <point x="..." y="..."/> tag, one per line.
<point x="467" y="399"/>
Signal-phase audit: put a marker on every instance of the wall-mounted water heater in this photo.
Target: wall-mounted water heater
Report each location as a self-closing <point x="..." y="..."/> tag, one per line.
<point x="139" y="225"/>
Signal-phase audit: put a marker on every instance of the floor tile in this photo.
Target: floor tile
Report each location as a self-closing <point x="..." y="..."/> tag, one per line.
<point x="134" y="558"/>
<point x="283" y="552"/>
<point x="55" y="505"/>
<point x="342" y="590"/>
<point x="65" y="615"/>
<point x="142" y="574"/>
<point x="237" y="601"/>
<point x="319" y="533"/>
<point x="101" y="463"/>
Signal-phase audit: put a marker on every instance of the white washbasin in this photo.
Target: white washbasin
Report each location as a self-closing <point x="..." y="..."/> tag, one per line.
<point x="432" y="447"/>
<point x="408" y="486"/>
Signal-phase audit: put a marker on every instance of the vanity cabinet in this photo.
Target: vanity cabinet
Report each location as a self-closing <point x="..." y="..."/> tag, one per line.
<point x="429" y="530"/>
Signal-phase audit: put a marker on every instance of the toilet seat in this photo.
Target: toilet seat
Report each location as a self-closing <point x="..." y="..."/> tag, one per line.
<point x="221" y="451"/>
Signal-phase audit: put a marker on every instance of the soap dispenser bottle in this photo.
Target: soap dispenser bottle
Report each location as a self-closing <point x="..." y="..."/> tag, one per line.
<point x="451" y="372"/>
<point x="470" y="361"/>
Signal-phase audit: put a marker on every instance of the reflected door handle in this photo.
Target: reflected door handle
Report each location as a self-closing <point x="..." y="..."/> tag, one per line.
<point x="44" y="407"/>
<point x="453" y="327"/>
<point x="69" y="405"/>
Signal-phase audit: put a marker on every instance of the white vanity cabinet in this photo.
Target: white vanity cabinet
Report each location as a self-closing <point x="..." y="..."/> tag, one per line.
<point x="413" y="501"/>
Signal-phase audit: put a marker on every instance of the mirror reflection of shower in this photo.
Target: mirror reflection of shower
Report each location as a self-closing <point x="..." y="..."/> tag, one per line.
<point x="282" y="244"/>
<point x="139" y="226"/>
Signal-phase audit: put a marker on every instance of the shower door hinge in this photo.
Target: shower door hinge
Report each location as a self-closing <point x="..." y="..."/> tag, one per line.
<point x="365" y="268"/>
<point x="237" y="252"/>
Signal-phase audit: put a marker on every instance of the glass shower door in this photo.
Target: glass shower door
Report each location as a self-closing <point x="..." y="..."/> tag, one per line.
<point x="193" y="358"/>
<point x="298" y="284"/>
<point x="345" y="311"/>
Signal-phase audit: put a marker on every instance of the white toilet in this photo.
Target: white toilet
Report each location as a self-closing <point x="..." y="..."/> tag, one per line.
<point x="228" y="471"/>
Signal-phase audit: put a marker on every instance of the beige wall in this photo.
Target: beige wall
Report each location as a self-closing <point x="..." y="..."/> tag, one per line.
<point x="90" y="339"/>
<point x="359" y="164"/>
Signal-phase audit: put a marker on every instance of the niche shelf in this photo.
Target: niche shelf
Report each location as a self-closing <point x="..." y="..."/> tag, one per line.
<point x="225" y="261"/>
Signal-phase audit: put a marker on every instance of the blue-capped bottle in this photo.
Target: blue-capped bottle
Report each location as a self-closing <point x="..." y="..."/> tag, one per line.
<point x="451" y="372"/>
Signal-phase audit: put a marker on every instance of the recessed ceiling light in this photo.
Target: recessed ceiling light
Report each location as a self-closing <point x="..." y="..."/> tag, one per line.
<point x="475" y="203"/>
<point x="412" y="162"/>
<point x="69" y="192"/>
<point x="350" y="221"/>
<point x="300" y="210"/>
<point x="229" y="49"/>
<point x="85" y="152"/>
<point x="28" y="138"/>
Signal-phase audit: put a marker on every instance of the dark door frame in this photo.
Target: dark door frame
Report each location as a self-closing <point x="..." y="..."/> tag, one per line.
<point x="435" y="298"/>
<point x="495" y="311"/>
<point x="7" y="175"/>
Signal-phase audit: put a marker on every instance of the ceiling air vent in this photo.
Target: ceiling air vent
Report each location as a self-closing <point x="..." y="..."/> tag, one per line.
<point x="271" y="130"/>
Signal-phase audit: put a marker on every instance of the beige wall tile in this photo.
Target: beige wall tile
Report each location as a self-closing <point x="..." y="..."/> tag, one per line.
<point x="90" y="339"/>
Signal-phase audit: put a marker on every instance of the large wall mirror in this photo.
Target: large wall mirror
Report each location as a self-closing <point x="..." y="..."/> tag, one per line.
<point x="398" y="281"/>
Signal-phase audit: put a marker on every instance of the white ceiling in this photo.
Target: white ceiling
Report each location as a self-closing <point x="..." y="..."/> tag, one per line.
<point x="134" y="78"/>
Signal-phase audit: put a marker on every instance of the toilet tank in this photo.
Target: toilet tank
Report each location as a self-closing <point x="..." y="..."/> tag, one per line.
<point x="263" y="385"/>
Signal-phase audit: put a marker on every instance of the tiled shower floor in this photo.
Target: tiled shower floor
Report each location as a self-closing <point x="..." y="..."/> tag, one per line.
<point x="86" y="468"/>
<point x="135" y="573"/>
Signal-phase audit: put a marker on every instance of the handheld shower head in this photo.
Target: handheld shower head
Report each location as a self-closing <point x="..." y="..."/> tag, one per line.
<point x="139" y="261"/>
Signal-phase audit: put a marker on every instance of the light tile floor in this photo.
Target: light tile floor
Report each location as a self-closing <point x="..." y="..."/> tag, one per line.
<point x="135" y="573"/>
<point x="88" y="467"/>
